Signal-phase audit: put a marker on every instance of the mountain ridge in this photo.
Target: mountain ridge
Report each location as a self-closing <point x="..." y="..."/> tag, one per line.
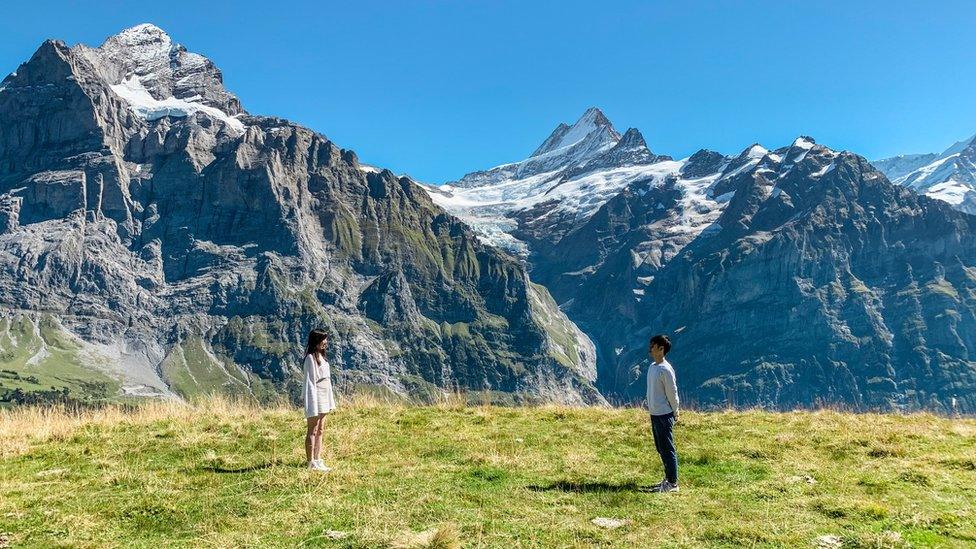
<point x="565" y="179"/>
<point x="949" y="176"/>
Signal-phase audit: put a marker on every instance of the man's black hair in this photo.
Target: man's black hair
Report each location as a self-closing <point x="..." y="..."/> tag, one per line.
<point x="662" y="341"/>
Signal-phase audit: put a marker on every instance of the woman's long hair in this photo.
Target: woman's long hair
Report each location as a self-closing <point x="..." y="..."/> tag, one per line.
<point x="315" y="337"/>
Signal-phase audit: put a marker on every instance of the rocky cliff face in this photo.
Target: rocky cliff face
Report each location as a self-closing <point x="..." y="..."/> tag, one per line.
<point x="183" y="245"/>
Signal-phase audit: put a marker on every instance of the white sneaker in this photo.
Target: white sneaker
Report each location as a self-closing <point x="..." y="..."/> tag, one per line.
<point x="322" y="466"/>
<point x="316" y="465"/>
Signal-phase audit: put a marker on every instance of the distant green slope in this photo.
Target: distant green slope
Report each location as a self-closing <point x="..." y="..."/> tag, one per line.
<point x="40" y="362"/>
<point x="225" y="475"/>
<point x="192" y="371"/>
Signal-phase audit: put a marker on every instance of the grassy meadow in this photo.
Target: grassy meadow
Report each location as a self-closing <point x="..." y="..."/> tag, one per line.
<point x="221" y="473"/>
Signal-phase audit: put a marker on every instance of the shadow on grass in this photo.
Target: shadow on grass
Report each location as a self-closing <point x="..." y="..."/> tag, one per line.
<point x="219" y="468"/>
<point x="588" y="487"/>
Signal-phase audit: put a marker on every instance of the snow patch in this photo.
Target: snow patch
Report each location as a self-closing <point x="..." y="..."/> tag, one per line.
<point x="148" y="107"/>
<point x="825" y="170"/>
<point x="951" y="191"/>
<point x="802" y="143"/>
<point x="756" y="152"/>
<point x="487" y="208"/>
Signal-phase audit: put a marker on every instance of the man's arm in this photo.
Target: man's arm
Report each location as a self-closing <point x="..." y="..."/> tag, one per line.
<point x="670" y="390"/>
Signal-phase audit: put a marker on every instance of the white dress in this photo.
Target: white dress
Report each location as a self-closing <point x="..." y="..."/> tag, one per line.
<point x="319" y="398"/>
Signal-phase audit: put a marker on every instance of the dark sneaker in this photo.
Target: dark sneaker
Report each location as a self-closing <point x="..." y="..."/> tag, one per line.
<point x="665" y="486"/>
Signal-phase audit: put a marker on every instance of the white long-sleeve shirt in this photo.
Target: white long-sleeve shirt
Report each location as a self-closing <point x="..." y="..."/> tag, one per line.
<point x="319" y="398"/>
<point x="662" y="389"/>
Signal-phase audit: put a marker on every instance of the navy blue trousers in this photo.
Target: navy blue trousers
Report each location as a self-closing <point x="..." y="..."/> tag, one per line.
<point x="663" y="429"/>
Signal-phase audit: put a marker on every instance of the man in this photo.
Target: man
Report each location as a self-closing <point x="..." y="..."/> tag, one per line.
<point x="662" y="403"/>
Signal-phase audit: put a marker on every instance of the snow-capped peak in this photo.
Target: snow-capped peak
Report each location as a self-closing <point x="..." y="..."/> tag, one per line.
<point x="950" y="176"/>
<point x="575" y="170"/>
<point x="756" y="151"/>
<point x="158" y="77"/>
<point x="566" y="149"/>
<point x="142" y="34"/>
<point x="593" y="121"/>
<point x="803" y="142"/>
<point x="143" y="50"/>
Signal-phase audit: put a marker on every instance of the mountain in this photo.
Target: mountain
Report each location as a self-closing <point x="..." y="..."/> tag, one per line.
<point x="949" y="176"/>
<point x="794" y="277"/>
<point x="638" y="232"/>
<point x="157" y="236"/>
<point x="574" y="171"/>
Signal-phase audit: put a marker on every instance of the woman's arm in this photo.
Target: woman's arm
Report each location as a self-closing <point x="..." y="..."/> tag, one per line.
<point x="311" y="395"/>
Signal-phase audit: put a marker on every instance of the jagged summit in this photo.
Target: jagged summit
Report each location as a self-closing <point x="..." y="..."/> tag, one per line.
<point x="159" y="77"/>
<point x="804" y="141"/>
<point x="575" y="170"/>
<point x="754" y="151"/>
<point x="592" y="125"/>
<point x="143" y="51"/>
<point x="630" y="150"/>
<point x="145" y="37"/>
<point x="632" y="138"/>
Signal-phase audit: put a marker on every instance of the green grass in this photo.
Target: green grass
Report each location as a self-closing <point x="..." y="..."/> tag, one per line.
<point x="193" y="372"/>
<point x="218" y="474"/>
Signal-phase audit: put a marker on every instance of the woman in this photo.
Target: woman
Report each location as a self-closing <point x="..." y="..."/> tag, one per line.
<point x="319" y="399"/>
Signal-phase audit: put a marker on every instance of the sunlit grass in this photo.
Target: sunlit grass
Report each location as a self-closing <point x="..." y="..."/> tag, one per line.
<point x="224" y="473"/>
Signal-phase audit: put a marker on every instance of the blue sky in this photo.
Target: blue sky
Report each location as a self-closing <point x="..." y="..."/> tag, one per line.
<point x="437" y="89"/>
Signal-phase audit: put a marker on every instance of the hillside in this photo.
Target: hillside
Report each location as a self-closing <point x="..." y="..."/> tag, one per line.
<point x="220" y="474"/>
<point x="816" y="281"/>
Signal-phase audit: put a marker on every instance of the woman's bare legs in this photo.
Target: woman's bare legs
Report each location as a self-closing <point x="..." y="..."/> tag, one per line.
<point x="312" y="424"/>
<point x="317" y="443"/>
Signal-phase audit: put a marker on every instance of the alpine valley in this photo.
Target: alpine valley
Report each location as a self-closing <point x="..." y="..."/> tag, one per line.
<point x="158" y="239"/>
